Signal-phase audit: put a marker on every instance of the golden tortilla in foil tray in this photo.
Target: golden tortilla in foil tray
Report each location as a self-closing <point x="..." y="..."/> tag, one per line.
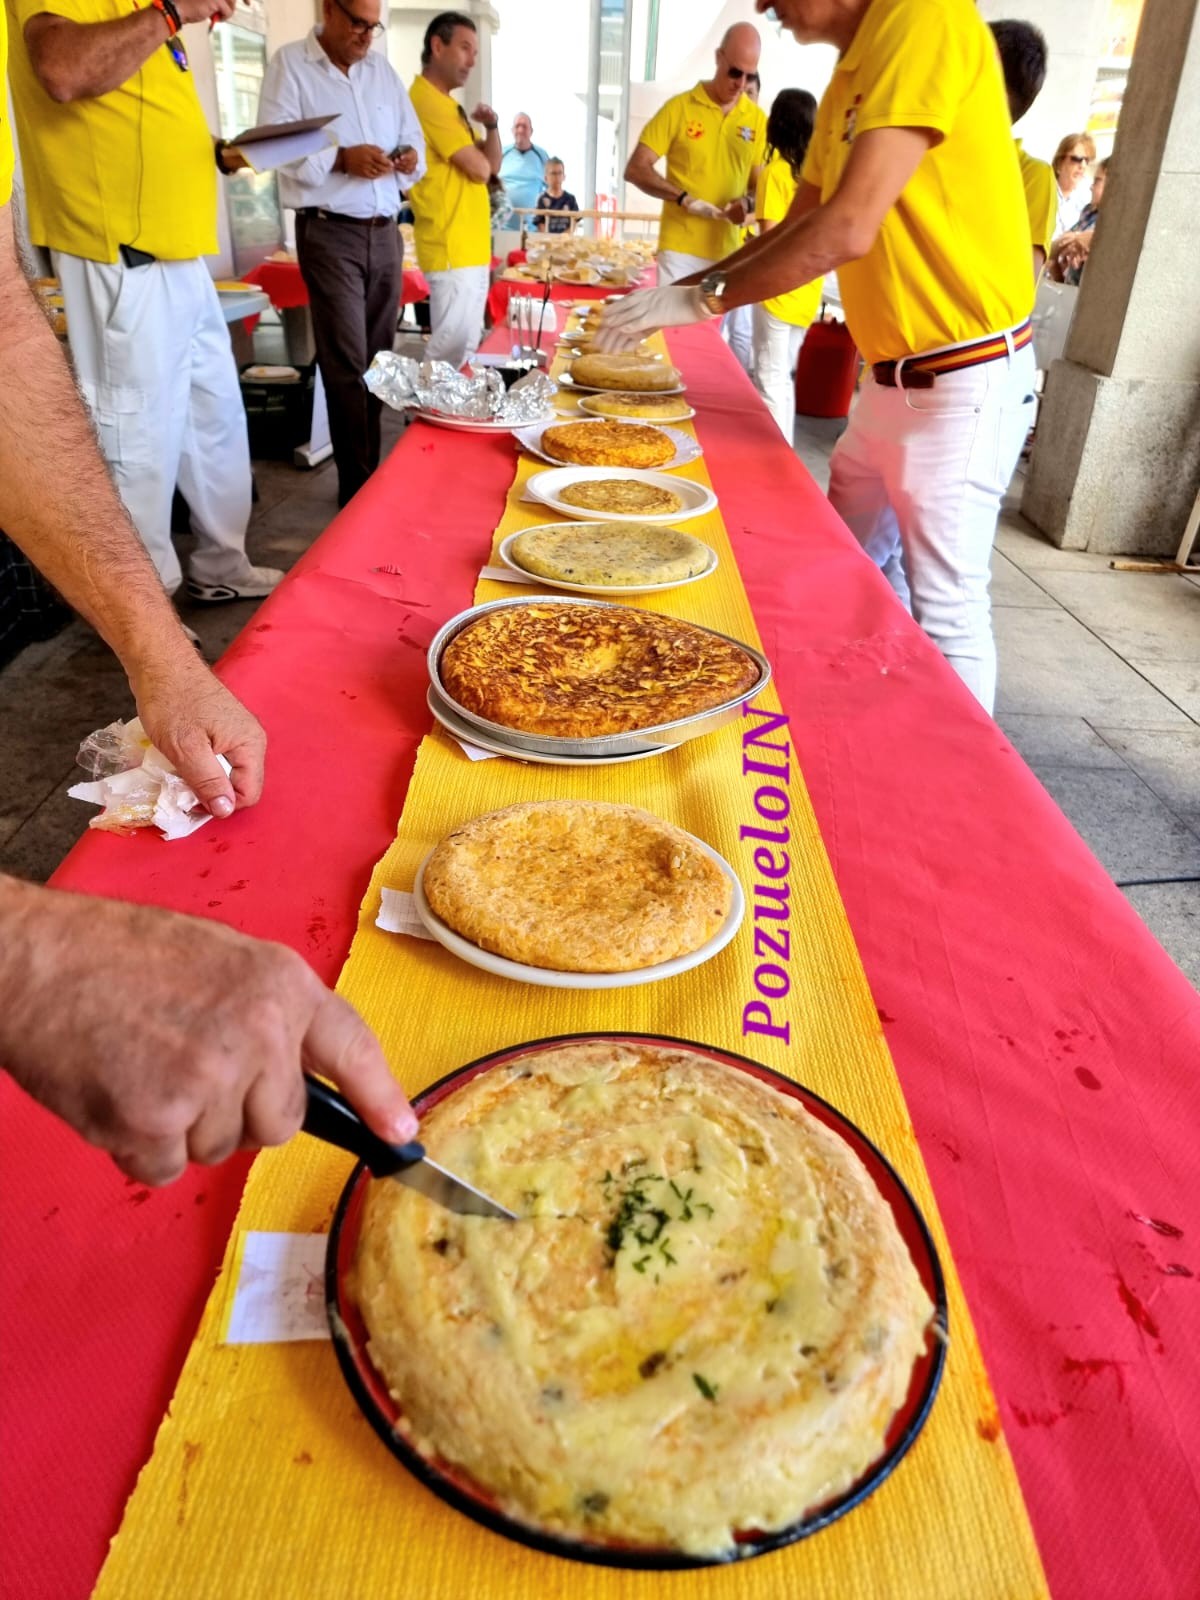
<point x="576" y="671"/>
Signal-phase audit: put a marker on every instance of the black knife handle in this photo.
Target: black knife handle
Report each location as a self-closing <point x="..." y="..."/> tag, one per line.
<point x="329" y="1116"/>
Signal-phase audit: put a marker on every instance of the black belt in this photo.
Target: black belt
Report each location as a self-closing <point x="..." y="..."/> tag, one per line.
<point x="922" y="372"/>
<point x="338" y="216"/>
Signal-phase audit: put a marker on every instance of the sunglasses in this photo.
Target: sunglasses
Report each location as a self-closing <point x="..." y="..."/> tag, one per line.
<point x="738" y="73"/>
<point x="1080" y="161"/>
<point x="358" y="25"/>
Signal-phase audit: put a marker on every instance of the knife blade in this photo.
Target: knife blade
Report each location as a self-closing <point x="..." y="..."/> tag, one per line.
<point x="331" y="1118"/>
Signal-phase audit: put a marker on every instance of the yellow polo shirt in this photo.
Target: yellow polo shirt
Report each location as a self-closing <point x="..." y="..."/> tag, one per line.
<point x="1041" y="197"/>
<point x="776" y="191"/>
<point x="134" y="166"/>
<point x="6" y="145"/>
<point x="711" y="154"/>
<point x="951" y="262"/>
<point x="453" y="226"/>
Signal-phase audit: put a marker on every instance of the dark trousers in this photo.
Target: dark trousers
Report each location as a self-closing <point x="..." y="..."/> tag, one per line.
<point x="352" y="273"/>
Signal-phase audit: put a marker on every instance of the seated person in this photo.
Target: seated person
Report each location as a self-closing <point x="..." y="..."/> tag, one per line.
<point x="1070" y="252"/>
<point x="555" y="198"/>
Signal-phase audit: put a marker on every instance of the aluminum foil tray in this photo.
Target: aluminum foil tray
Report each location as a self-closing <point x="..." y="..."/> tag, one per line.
<point x="608" y="744"/>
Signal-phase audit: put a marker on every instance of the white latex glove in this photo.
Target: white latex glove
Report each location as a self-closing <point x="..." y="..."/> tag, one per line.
<point x="703" y="208"/>
<point x="627" y="320"/>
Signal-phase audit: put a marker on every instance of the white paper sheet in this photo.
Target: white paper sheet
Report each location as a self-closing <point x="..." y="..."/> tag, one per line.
<point x="398" y="914"/>
<point x="279" y="1296"/>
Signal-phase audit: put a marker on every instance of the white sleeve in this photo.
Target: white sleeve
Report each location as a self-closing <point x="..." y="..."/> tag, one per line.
<point x="409" y="133"/>
<point x="280" y="102"/>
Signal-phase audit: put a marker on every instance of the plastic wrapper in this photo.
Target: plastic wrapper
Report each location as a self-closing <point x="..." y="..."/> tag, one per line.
<point x="136" y="785"/>
<point x="478" y="394"/>
<point x="113" y="749"/>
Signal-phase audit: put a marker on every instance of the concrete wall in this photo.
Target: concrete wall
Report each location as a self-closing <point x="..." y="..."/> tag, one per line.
<point x="1117" y="461"/>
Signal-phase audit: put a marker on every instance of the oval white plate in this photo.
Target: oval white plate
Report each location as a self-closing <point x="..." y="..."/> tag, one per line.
<point x="548" y="978"/>
<point x="612" y="591"/>
<point x="567" y="382"/>
<point x="467" y="731"/>
<point x="687" y="449"/>
<point x="472" y="424"/>
<point x="586" y="404"/>
<point x="698" y="498"/>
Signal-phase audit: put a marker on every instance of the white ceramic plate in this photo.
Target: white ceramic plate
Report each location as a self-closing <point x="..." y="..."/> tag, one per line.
<point x="588" y="405"/>
<point x="461" y="729"/>
<point x="687" y="449"/>
<point x="471" y="424"/>
<point x="698" y="499"/>
<point x="568" y="382"/>
<point x="550" y="979"/>
<point x="611" y="591"/>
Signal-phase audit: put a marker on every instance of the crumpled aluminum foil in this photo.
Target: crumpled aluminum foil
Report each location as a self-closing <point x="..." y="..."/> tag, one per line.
<point x="478" y="394"/>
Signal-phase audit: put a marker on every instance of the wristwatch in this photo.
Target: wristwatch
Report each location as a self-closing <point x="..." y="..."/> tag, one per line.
<point x="712" y="288"/>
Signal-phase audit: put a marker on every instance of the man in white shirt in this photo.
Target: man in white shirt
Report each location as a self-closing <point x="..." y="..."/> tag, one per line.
<point x="346" y="201"/>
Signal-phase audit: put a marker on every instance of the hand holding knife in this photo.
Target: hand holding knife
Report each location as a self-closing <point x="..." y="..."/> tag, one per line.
<point x="330" y="1117"/>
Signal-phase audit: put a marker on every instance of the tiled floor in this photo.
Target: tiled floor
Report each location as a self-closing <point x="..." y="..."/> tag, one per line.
<point x="1099" y="691"/>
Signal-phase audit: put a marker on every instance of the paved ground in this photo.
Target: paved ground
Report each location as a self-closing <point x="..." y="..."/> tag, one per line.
<point x="1099" y="690"/>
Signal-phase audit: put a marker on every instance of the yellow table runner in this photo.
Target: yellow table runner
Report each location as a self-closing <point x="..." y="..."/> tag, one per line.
<point x="266" y="1480"/>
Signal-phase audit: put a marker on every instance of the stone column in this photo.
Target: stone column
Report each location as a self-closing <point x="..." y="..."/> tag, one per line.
<point x="1117" y="459"/>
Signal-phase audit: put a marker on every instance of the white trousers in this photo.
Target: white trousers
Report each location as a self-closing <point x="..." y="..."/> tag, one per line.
<point x="152" y="355"/>
<point x="457" y="301"/>
<point x="676" y="264"/>
<point x="737" y="330"/>
<point x="776" y="345"/>
<point x="918" y="476"/>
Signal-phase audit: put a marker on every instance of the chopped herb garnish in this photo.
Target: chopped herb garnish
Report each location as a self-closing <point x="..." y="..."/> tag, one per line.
<point x="708" y="1390"/>
<point x="640" y="1266"/>
<point x="594" y="1504"/>
<point x="638" y="1219"/>
<point x="652" y="1363"/>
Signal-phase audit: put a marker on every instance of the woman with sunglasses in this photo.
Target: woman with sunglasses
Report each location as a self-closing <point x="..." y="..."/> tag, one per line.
<point x="1072" y="161"/>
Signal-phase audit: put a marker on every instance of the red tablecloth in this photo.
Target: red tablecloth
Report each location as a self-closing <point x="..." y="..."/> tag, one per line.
<point x="504" y="288"/>
<point x="282" y="283"/>
<point x="1047" y="1046"/>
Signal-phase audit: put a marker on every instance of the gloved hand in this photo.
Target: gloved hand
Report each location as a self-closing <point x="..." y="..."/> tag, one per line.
<point x="627" y="320"/>
<point x="702" y="208"/>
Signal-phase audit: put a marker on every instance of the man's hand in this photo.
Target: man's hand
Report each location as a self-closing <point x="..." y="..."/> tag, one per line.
<point x="736" y="212"/>
<point x="485" y="116"/>
<point x="166" y="1039"/>
<point x="702" y="208"/>
<point x="365" y="161"/>
<point x="202" y="10"/>
<point x="192" y="718"/>
<point x="405" y="161"/>
<point x="628" y="320"/>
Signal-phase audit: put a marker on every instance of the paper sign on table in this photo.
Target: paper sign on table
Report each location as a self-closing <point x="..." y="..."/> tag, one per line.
<point x="398" y="914"/>
<point x="279" y="1289"/>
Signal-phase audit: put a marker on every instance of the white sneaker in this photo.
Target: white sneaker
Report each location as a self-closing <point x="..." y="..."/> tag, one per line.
<point x="256" y="584"/>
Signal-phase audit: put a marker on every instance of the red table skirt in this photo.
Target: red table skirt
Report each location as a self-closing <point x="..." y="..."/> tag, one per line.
<point x="504" y="288"/>
<point x="283" y="284"/>
<point x="1046" y="1045"/>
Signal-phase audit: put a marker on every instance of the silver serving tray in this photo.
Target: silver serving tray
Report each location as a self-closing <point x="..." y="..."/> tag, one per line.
<point x="607" y="744"/>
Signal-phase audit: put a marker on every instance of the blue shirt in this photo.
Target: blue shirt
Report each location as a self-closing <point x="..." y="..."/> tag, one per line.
<point x="522" y="174"/>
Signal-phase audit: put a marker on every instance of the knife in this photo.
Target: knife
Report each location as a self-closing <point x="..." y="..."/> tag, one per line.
<point x="329" y="1117"/>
